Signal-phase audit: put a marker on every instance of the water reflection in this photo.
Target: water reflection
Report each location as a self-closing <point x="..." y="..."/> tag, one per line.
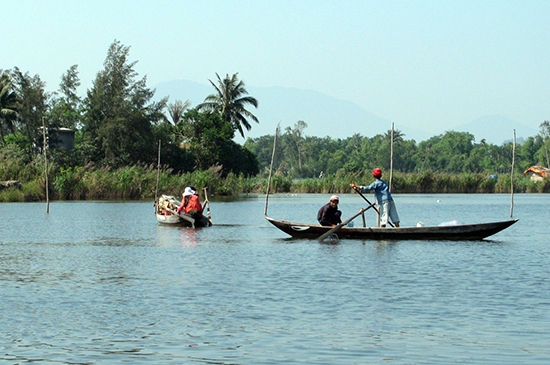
<point x="189" y="237"/>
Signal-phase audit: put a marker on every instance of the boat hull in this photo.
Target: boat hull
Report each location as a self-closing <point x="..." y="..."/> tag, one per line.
<point x="183" y="220"/>
<point x="476" y="231"/>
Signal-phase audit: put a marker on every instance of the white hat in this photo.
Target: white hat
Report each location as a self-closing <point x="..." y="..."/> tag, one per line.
<point x="188" y="191"/>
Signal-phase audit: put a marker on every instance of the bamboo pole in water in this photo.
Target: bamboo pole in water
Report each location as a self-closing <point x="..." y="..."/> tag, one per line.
<point x="46" y="166"/>
<point x="158" y="175"/>
<point x="391" y="156"/>
<point x="271" y="169"/>
<point x="512" y="177"/>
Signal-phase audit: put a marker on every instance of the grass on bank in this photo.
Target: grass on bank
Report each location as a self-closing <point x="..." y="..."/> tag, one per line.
<point x="140" y="182"/>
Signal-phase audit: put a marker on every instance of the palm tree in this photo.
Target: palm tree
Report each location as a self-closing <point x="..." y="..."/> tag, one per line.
<point x="176" y="110"/>
<point x="8" y="100"/>
<point x="398" y="136"/>
<point x="230" y="101"/>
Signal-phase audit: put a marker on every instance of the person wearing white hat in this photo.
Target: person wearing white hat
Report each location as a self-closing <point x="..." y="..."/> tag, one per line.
<point x="329" y="215"/>
<point x="190" y="203"/>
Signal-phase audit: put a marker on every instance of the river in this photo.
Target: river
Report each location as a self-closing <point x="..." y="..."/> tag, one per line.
<point x="103" y="283"/>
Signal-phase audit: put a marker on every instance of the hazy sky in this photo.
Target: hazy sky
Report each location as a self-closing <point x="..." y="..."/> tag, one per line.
<point x="429" y="64"/>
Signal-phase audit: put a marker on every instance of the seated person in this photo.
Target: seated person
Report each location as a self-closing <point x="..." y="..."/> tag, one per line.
<point x="329" y="215"/>
<point x="190" y="204"/>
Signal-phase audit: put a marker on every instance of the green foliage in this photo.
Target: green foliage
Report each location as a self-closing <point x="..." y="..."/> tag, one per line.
<point x="230" y="184"/>
<point x="98" y="183"/>
<point x="230" y="101"/>
<point x="535" y="186"/>
<point x="8" y="106"/>
<point x="11" y="195"/>
<point x="12" y="160"/>
<point x="118" y="128"/>
<point x="487" y="185"/>
<point x="208" y="138"/>
<point x="452" y="152"/>
<point x="280" y="184"/>
<point x="543" y="154"/>
<point x="33" y="190"/>
<point x="68" y="182"/>
<point x="31" y="105"/>
<point x="443" y="182"/>
<point x="119" y="113"/>
<point x="66" y="109"/>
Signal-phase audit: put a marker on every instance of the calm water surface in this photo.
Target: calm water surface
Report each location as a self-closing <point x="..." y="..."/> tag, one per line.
<point x="103" y="283"/>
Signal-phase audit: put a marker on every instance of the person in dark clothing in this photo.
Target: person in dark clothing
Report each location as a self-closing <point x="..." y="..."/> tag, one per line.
<point x="329" y="215"/>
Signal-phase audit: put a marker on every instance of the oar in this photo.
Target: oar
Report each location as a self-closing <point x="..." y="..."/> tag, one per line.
<point x="207" y="205"/>
<point x="187" y="218"/>
<point x="334" y="229"/>
<point x="371" y="204"/>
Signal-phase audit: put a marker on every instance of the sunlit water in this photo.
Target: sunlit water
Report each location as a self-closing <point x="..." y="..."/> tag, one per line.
<point x="103" y="283"/>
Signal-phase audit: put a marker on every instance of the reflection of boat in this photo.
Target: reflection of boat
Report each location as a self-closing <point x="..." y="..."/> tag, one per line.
<point x="476" y="231"/>
<point x="166" y="212"/>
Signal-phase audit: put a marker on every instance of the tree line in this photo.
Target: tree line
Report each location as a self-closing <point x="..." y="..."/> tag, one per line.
<point x="301" y="156"/>
<point x="118" y="125"/>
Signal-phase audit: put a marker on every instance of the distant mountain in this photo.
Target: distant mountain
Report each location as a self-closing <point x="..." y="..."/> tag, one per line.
<point x="329" y="116"/>
<point x="324" y="115"/>
<point x="497" y="129"/>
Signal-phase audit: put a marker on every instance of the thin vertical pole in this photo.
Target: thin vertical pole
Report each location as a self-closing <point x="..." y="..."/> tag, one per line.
<point x="391" y="155"/>
<point x="158" y="175"/>
<point x="512" y="177"/>
<point x="46" y="167"/>
<point x="271" y="169"/>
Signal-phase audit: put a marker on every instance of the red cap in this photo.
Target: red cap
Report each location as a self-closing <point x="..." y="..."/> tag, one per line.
<point x="377" y="173"/>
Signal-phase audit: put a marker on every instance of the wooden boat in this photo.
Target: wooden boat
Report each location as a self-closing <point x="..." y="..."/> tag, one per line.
<point x="456" y="232"/>
<point x="166" y="207"/>
<point x="166" y="213"/>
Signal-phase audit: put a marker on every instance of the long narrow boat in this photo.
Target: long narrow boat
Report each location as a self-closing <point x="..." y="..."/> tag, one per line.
<point x="456" y="232"/>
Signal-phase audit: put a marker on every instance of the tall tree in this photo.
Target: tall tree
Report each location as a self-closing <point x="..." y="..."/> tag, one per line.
<point x="294" y="143"/>
<point x="8" y="111"/>
<point x="32" y="103"/>
<point x="177" y="109"/>
<point x="208" y="137"/>
<point x="230" y="100"/>
<point x="545" y="135"/>
<point x="119" y="113"/>
<point x="66" y="105"/>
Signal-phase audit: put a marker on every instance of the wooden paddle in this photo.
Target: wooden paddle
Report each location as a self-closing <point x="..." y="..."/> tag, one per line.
<point x="335" y="229"/>
<point x="184" y="217"/>
<point x="207" y="205"/>
<point x="371" y="204"/>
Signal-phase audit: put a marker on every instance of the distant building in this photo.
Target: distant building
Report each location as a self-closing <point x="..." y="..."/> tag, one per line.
<point x="537" y="173"/>
<point x="62" y="137"/>
<point x="59" y="138"/>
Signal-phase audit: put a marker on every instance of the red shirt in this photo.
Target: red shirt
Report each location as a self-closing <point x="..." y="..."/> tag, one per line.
<point x="193" y="203"/>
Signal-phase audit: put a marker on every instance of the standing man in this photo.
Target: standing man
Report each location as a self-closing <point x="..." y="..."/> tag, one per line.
<point x="329" y="215"/>
<point x="383" y="198"/>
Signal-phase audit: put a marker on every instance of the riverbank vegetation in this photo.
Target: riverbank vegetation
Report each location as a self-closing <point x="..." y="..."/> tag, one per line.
<point x="142" y="181"/>
<point x="120" y="135"/>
